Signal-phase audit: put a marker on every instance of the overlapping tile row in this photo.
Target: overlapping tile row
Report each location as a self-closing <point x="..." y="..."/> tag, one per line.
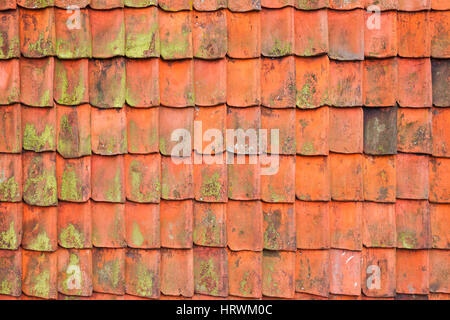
<point x="94" y="206"/>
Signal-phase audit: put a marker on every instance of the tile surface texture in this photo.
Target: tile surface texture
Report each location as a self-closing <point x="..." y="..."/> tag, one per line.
<point x="93" y="204"/>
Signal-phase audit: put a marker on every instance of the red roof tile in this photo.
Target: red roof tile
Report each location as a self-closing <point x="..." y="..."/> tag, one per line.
<point x="351" y="120"/>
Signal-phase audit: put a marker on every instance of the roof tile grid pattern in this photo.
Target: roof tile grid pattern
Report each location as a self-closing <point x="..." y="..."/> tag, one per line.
<point x="94" y="207"/>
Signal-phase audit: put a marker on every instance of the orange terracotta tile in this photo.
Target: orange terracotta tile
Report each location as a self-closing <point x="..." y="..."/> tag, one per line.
<point x="278" y="274"/>
<point x="379" y="179"/>
<point x="278" y="82"/>
<point x="143" y="130"/>
<point x="413" y="34"/>
<point x="109" y="132"/>
<point x="73" y="177"/>
<point x="378" y="272"/>
<point x="245" y="274"/>
<point x="439" y="34"/>
<point x="75" y="272"/>
<point x="176" y="281"/>
<point x="11" y="272"/>
<point x="210" y="179"/>
<point x="439" y="270"/>
<point x="282" y="120"/>
<point x="107" y="83"/>
<point x="440" y="180"/>
<point x="345" y="225"/>
<point x="346" y="4"/>
<point x="312" y="130"/>
<point x="176" y="81"/>
<point x="106" y="4"/>
<point x="277" y="32"/>
<point x="341" y="297"/>
<point x="211" y="271"/>
<point x="244" y="226"/>
<point x="306" y="296"/>
<point x="380" y="131"/>
<point x="73" y="33"/>
<point x="244" y="122"/>
<point x="209" y="34"/>
<point x="10" y="81"/>
<point x="143" y="176"/>
<point x="64" y="3"/>
<point x="440" y="82"/>
<point x="209" y="5"/>
<point x="40" y="274"/>
<point x="11" y="180"/>
<point x="74" y="225"/>
<point x="37" y="32"/>
<point x="313" y="230"/>
<point x="243" y="82"/>
<point x="209" y="227"/>
<point x="38" y="129"/>
<point x="414" y="88"/>
<point x="142" y="225"/>
<point x="312" y="81"/>
<point x="413" y="224"/>
<point x="10" y="226"/>
<point x="438" y="296"/>
<point x="73" y="131"/>
<point x="345" y="272"/>
<point x="244" y="34"/>
<point x="310" y="32"/>
<point x="244" y="177"/>
<point x="175" y="30"/>
<point x="346" y="80"/>
<point x="107" y="178"/>
<point x="279" y="226"/>
<point x="312" y="272"/>
<point x="383" y="4"/>
<point x="346" y="130"/>
<point x="380" y="41"/>
<point x="280" y="187"/>
<point x="212" y="122"/>
<point x="8" y="4"/>
<point x="346" y="34"/>
<point x="441" y="136"/>
<point x="380" y="76"/>
<point x="142" y="82"/>
<point x="10" y="128"/>
<point x="412" y="176"/>
<point x="71" y="82"/>
<point x="177" y="178"/>
<point x="210" y="82"/>
<point x="413" y="297"/>
<point x="378" y="225"/>
<point x="39" y="179"/>
<point x="142" y="32"/>
<point x="108" y="266"/>
<point x="440" y="5"/>
<point x="412" y="269"/>
<point x="108" y="225"/>
<point x="142" y="273"/>
<point x="176" y="224"/>
<point x="414" y="5"/>
<point x="414" y="128"/>
<point x="175" y="5"/>
<point x="346" y="183"/>
<point x="37" y="88"/>
<point x="9" y="27"/>
<point x="277" y="3"/>
<point x="312" y="178"/>
<point x="440" y="234"/>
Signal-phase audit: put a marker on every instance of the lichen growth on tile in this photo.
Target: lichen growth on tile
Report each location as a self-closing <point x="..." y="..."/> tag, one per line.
<point x="38" y="142"/>
<point x="71" y="237"/>
<point x="8" y="238"/>
<point x="9" y="190"/>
